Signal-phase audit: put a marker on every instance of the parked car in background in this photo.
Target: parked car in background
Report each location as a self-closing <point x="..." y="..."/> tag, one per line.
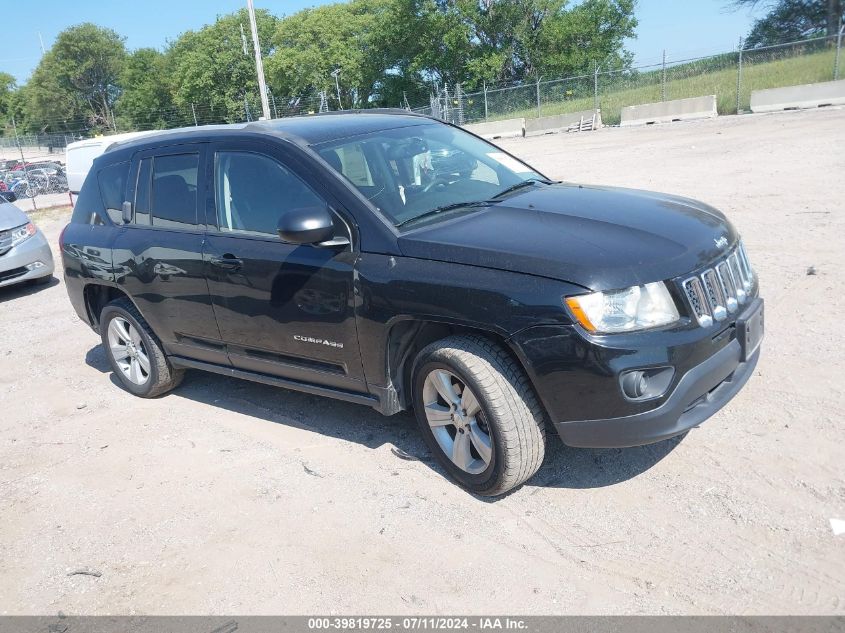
<point x="24" y="252"/>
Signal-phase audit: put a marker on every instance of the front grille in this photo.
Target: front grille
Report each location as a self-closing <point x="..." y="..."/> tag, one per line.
<point x="716" y="292"/>
<point x="7" y="275"/>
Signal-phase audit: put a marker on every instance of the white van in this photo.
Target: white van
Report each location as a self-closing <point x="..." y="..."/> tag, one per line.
<point x="80" y="155"/>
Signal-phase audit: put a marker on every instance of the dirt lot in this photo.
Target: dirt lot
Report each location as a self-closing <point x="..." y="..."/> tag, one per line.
<point x="232" y="497"/>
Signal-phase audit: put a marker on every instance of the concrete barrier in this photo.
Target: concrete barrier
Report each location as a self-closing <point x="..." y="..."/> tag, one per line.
<point x="795" y="97"/>
<point x="563" y="122"/>
<point x="668" y="111"/>
<point x="507" y="128"/>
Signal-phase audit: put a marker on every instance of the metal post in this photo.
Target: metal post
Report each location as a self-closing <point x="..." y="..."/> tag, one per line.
<point x="663" y="79"/>
<point x="259" y="64"/>
<point x="838" y="50"/>
<point x="336" y="75"/>
<point x="739" y="78"/>
<point x="23" y="162"/>
<point x="539" y="113"/>
<point x="484" y="84"/>
<point x="194" y="110"/>
<point x="596" y="87"/>
<point x="273" y="100"/>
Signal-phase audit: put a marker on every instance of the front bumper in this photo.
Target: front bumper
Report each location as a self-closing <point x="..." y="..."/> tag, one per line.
<point x="701" y="392"/>
<point x="578" y="379"/>
<point x="13" y="264"/>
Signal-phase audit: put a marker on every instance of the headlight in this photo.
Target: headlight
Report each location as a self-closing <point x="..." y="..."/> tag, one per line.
<point x="635" y="308"/>
<point x="23" y="233"/>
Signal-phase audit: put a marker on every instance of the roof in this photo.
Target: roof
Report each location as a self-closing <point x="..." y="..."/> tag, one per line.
<point x="308" y="129"/>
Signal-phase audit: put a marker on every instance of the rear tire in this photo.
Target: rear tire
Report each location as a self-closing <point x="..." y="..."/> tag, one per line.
<point x="135" y="353"/>
<point x="478" y="413"/>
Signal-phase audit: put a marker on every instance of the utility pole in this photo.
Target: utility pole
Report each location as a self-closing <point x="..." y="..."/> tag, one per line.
<point x="259" y="65"/>
<point x="41" y="41"/>
<point x="336" y="75"/>
<point x="739" y="79"/>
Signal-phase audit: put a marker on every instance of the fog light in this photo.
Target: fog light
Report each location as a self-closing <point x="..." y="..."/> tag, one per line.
<point x="34" y="266"/>
<point x="645" y="384"/>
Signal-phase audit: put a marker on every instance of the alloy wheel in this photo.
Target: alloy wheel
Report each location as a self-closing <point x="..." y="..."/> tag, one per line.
<point x="128" y="351"/>
<point x="457" y="421"/>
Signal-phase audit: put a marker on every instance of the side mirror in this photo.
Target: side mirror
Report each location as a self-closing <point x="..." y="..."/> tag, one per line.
<point x="306" y="225"/>
<point x="126" y="212"/>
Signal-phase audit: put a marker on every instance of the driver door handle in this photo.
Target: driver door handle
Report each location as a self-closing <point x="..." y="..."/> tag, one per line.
<point x="227" y="262"/>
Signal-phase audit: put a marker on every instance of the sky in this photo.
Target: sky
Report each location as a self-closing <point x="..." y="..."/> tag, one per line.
<point x="684" y="28"/>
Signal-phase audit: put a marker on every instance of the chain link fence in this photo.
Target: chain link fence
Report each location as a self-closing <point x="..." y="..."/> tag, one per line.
<point x="32" y="165"/>
<point x="731" y="76"/>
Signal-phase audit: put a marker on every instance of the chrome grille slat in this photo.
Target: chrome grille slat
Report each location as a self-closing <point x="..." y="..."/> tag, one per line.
<point x="713" y="291"/>
<point x="727" y="284"/>
<point x="721" y="289"/>
<point x="695" y="295"/>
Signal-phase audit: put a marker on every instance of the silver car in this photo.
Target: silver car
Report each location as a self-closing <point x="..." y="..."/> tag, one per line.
<point x="24" y="252"/>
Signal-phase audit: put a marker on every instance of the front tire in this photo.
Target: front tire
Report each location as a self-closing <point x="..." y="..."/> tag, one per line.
<point x="479" y="414"/>
<point x="134" y="352"/>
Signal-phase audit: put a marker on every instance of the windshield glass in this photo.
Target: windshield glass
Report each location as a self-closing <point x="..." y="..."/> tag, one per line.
<point x="413" y="172"/>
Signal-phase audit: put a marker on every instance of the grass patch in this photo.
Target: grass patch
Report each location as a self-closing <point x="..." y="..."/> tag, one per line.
<point x="50" y="214"/>
<point x="715" y="75"/>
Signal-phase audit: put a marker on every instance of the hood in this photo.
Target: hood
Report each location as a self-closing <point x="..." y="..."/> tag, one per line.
<point x="601" y="238"/>
<point x="11" y="216"/>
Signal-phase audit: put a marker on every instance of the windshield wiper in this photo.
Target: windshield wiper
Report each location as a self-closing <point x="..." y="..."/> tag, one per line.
<point x="445" y="207"/>
<point x="520" y="185"/>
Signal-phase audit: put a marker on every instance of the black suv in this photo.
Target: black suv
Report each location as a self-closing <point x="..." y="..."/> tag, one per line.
<point x="392" y="260"/>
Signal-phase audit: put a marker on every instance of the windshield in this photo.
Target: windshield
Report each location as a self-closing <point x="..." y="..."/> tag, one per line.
<point x="416" y="171"/>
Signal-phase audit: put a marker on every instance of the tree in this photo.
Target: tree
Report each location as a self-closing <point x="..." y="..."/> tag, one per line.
<point x="351" y="37"/>
<point x="515" y="40"/>
<point x="209" y="68"/>
<point x="76" y="82"/>
<point x="145" y="101"/>
<point x="792" y="20"/>
<point x="7" y="91"/>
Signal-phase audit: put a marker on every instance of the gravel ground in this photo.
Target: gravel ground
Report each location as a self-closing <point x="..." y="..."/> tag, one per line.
<point x="232" y="497"/>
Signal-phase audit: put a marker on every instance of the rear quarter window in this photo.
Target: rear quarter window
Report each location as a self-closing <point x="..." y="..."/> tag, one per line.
<point x="112" y="181"/>
<point x="88" y="208"/>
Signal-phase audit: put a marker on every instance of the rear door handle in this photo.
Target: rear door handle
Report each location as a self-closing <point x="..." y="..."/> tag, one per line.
<point x="227" y="261"/>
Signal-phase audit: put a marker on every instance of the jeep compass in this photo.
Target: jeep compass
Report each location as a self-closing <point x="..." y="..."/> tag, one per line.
<point x="392" y="260"/>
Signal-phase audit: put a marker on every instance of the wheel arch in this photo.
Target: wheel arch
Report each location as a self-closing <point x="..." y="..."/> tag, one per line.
<point x="97" y="296"/>
<point x="407" y="337"/>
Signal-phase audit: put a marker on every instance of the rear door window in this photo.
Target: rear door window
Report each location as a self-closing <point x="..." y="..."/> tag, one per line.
<point x="174" y="190"/>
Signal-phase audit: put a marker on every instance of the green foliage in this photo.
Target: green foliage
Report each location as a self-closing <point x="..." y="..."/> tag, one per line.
<point x="76" y="82"/>
<point x="208" y="67"/>
<point x="384" y="51"/>
<point x="7" y="92"/>
<point x="793" y="20"/>
<point x="353" y="37"/>
<point x="146" y="96"/>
